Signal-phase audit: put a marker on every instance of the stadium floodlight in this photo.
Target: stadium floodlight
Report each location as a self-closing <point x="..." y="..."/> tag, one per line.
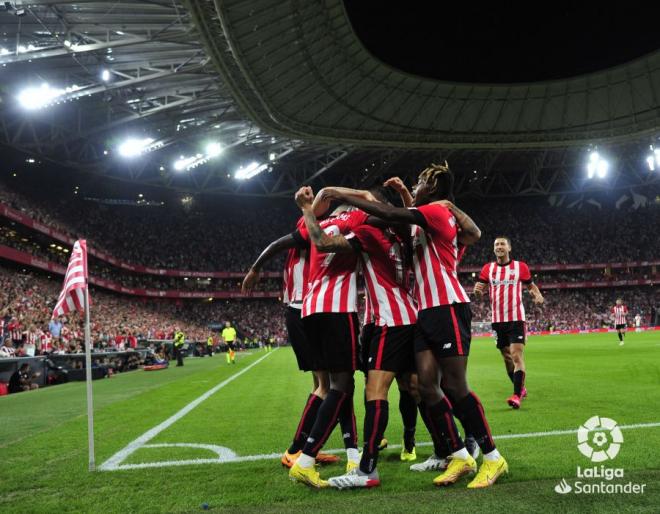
<point x="650" y="160"/>
<point x="597" y="166"/>
<point x="251" y="170"/>
<point x="213" y="150"/>
<point x="4" y="51"/>
<point x="591" y="169"/>
<point x="188" y="163"/>
<point x="272" y="156"/>
<point x="105" y="75"/>
<point x="134" y="147"/>
<point x="33" y="98"/>
<point x="653" y="159"/>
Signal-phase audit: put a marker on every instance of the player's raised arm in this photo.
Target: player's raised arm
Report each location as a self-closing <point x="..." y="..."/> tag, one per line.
<point x="277" y="246"/>
<point x="322" y="241"/>
<point x="470" y="232"/>
<point x="397" y="184"/>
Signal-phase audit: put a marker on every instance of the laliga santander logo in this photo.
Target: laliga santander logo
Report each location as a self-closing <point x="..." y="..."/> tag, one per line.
<point x="596" y="447"/>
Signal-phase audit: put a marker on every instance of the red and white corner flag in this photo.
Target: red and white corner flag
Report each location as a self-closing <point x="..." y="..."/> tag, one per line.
<point x="75" y="296"/>
<point x="72" y="296"/>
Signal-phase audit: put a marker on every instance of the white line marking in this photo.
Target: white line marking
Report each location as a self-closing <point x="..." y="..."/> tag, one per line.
<point x="275" y="456"/>
<point x="115" y="461"/>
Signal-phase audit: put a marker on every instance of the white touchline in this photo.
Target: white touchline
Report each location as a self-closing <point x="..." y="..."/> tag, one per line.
<point x="114" y="461"/>
<point x="228" y="458"/>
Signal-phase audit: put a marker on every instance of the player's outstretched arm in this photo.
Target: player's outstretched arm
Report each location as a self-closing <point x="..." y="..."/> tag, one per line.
<point x="277" y="246"/>
<point x="322" y="241"/>
<point x="383" y="211"/>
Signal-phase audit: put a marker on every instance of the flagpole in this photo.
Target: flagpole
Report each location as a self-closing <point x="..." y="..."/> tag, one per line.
<point x="88" y="375"/>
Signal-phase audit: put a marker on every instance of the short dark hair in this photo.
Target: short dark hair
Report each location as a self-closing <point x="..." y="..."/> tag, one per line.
<point x="504" y="237"/>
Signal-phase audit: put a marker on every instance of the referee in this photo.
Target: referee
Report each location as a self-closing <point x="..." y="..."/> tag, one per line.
<point x="229" y="337"/>
<point x="179" y="339"/>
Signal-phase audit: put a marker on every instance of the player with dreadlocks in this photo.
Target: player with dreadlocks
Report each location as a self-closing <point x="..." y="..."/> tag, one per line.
<point x="443" y="332"/>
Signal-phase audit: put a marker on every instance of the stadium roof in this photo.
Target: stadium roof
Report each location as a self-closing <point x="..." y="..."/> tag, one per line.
<point x="299" y="69"/>
<point x="289" y="84"/>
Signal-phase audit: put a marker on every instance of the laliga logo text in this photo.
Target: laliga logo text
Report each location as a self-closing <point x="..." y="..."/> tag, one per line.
<point x="599" y="439"/>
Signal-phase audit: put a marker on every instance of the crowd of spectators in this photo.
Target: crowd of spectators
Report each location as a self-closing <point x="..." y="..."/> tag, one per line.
<point x="118" y="321"/>
<point x="228" y="234"/>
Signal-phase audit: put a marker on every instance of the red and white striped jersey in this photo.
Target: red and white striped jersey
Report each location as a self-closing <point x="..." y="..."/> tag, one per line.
<point x="46" y="342"/>
<point x="619" y="312"/>
<point x="505" y="281"/>
<point x="332" y="276"/>
<point x="16" y="334"/>
<point x="296" y="273"/>
<point x="385" y="274"/>
<point x="435" y="257"/>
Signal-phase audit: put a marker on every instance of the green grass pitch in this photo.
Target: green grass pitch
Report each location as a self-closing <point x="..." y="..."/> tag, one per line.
<point x="43" y="446"/>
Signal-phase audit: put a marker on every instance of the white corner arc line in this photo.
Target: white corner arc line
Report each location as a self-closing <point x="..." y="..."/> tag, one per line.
<point x="115" y="461"/>
<point x="274" y="456"/>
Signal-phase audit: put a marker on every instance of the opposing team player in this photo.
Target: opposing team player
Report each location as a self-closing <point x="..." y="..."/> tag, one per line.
<point x="619" y="313"/>
<point x="505" y="278"/>
<point x="443" y="331"/>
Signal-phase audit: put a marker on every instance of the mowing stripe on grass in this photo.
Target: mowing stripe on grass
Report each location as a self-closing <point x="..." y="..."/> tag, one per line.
<point x="225" y="455"/>
<point x="115" y="461"/>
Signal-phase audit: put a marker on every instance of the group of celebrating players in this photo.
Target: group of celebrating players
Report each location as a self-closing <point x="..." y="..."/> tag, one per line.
<point x="416" y="330"/>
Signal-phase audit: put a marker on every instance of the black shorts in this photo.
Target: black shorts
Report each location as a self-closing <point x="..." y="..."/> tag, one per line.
<point x="298" y="339"/>
<point x="388" y="348"/>
<point x="621" y="327"/>
<point x="333" y="338"/>
<point x="445" y="330"/>
<point x="231" y="345"/>
<point x="509" y="332"/>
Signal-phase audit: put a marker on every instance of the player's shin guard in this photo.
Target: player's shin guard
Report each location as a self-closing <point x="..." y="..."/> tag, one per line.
<point x="348" y="424"/>
<point x="375" y="423"/>
<point x="306" y="423"/>
<point x="408" y="410"/>
<point x="518" y="382"/>
<point x="443" y="427"/>
<point x="471" y="413"/>
<point x="326" y="419"/>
